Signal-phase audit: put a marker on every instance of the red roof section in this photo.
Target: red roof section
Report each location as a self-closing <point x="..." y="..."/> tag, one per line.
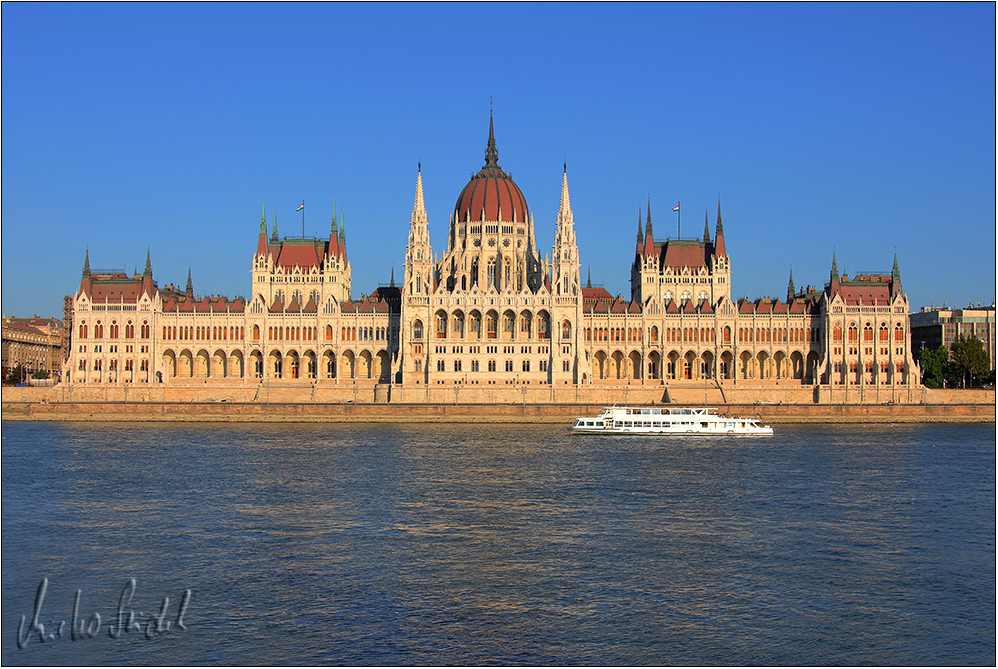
<point x="298" y="255"/>
<point x="866" y="293"/>
<point x="680" y="255"/>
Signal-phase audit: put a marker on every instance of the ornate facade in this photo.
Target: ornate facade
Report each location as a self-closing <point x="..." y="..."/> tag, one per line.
<point x="492" y="313"/>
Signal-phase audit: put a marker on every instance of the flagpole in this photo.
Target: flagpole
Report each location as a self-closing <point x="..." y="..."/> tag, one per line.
<point x="303" y="218"/>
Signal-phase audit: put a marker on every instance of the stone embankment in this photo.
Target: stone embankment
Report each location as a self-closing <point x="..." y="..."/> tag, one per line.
<point x="249" y="412"/>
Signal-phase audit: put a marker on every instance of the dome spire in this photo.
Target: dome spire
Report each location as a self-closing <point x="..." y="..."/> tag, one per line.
<point x="491" y="153"/>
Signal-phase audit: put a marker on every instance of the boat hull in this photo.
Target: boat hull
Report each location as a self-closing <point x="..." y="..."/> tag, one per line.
<point x="670" y="421"/>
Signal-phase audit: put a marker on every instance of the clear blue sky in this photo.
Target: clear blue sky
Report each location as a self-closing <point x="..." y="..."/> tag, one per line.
<point x="860" y="128"/>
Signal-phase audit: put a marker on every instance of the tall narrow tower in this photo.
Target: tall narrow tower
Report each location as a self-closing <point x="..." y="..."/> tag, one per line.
<point x="417" y="285"/>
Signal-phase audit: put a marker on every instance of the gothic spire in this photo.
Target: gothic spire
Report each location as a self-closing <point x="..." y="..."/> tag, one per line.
<point x="332" y="225"/>
<point x="419" y="208"/>
<point x="641" y="236"/>
<point x="589" y="277"/>
<point x="791" y="291"/>
<point x="273" y="237"/>
<point x="189" y="291"/>
<point x="343" y="228"/>
<point x="566" y="205"/>
<point x="706" y="227"/>
<point x="263" y="220"/>
<point x="86" y="264"/>
<point x="148" y="270"/>
<point x="835" y="267"/>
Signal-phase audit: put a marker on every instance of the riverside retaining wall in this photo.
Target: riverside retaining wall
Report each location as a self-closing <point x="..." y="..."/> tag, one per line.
<point x="249" y="412"/>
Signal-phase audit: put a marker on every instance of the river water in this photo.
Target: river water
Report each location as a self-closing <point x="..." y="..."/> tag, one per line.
<point x="496" y="544"/>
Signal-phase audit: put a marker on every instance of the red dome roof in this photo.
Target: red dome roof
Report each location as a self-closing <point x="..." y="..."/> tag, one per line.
<point x="491" y="190"/>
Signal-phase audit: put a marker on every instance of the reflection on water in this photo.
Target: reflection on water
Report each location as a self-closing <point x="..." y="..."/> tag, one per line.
<point x="473" y="544"/>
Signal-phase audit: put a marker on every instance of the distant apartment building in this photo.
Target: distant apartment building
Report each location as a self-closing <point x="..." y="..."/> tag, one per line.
<point x="35" y="343"/>
<point x="932" y="327"/>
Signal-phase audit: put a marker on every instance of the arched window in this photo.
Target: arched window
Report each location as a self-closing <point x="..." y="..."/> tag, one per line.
<point x="868" y="332"/>
<point x="83" y="330"/>
<point x="853" y="332"/>
<point x="417" y="330"/>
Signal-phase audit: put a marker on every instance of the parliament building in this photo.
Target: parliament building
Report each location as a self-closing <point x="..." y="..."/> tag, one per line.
<point x="490" y="318"/>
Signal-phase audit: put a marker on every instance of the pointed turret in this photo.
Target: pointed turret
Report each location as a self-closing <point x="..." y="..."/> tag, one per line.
<point x="85" y="281"/>
<point x="833" y="283"/>
<point x="261" y="242"/>
<point x="273" y="237"/>
<point x="648" y="230"/>
<point x="895" y="278"/>
<point x="649" y="235"/>
<point x="791" y="291"/>
<point x="334" y="235"/>
<point x="189" y="291"/>
<point x="343" y="237"/>
<point x="147" y="284"/>
<point x="719" y="235"/>
<point x="641" y="236"/>
<point x="706" y="227"/>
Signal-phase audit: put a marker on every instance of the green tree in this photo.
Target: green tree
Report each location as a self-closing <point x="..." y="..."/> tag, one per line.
<point x="15" y="375"/>
<point x="969" y="365"/>
<point x="933" y="364"/>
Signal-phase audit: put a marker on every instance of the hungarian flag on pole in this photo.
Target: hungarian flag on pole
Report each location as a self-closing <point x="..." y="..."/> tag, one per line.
<point x="676" y="208"/>
<point x="301" y="206"/>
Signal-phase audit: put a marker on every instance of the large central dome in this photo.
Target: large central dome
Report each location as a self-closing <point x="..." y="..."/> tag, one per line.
<point x="491" y="195"/>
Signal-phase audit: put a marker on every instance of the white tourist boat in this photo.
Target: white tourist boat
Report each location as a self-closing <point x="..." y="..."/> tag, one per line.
<point x="668" y="420"/>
